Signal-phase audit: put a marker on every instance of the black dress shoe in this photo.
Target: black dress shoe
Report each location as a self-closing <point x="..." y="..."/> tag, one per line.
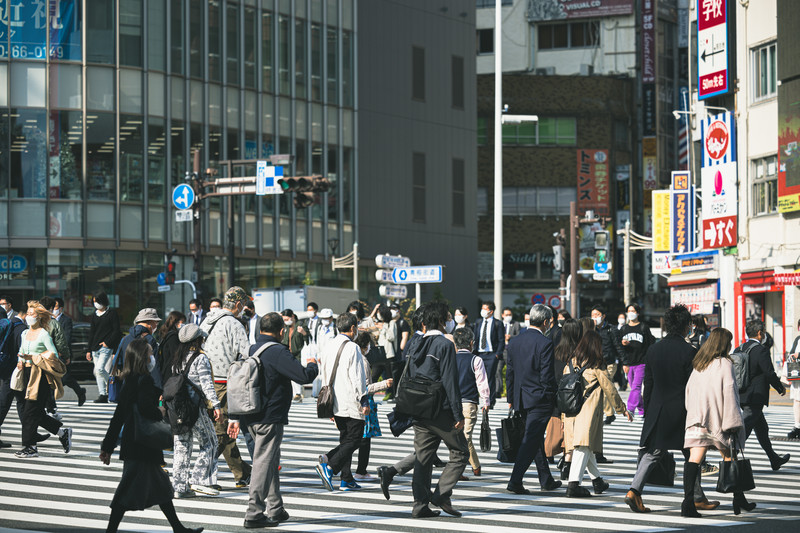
<point x="103" y="398"/>
<point x="552" y="485"/>
<point x="779" y="460"/>
<point x="447" y="507"/>
<point x="438" y="463"/>
<point x="81" y="396"/>
<point x="424" y="512"/>
<point x="602" y="459"/>
<point x="517" y="489"/>
<point x="386" y="480"/>
<point x="283" y="516"/>
<point x="4" y="444"/>
<point x="261" y="522"/>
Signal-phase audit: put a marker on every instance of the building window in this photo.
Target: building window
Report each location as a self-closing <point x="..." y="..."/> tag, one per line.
<point x="765" y="185"/>
<point x="418" y="185"/>
<point x="457" y="75"/>
<point x="458" y="193"/>
<point x="485" y="41"/>
<point x="530" y="201"/>
<point x="483" y="131"/>
<point x="569" y="35"/>
<point x="548" y="131"/>
<point x="491" y="3"/>
<point x="765" y="76"/>
<point x="418" y="73"/>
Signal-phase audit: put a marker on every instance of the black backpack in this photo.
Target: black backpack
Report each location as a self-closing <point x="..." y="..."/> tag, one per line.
<point x="183" y="409"/>
<point x="741" y="364"/>
<point x="571" y="395"/>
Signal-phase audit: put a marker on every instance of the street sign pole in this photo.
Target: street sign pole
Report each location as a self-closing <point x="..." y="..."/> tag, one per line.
<point x="418" y="295"/>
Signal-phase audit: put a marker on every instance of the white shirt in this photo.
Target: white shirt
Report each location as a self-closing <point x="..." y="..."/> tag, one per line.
<point x="489" y="323"/>
<point x="254" y="328"/>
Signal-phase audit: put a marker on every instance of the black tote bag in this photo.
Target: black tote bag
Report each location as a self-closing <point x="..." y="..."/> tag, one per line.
<point x="486" y="433"/>
<point x="150" y="433"/>
<point x="513" y="428"/>
<point x="735" y="475"/>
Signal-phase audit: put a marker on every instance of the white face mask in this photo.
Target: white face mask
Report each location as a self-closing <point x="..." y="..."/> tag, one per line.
<point x="365" y="352"/>
<point x="326" y="321"/>
<point x="507" y="319"/>
<point x="354" y="313"/>
<point x="98" y="306"/>
<point x="56" y="313"/>
<point x="527" y="323"/>
<point x="30" y="320"/>
<point x="621" y="321"/>
<point x="632" y="316"/>
<point x="598" y="320"/>
<point x="449" y="326"/>
<point x="288" y="323"/>
<point x="394" y="313"/>
<point x="485" y="313"/>
<point x="151" y="364"/>
<point x="313" y="314"/>
<point x="459" y="319"/>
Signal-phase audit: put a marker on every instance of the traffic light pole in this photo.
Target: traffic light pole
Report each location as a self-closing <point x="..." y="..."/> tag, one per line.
<point x="573" y="259"/>
<point x="196" y="212"/>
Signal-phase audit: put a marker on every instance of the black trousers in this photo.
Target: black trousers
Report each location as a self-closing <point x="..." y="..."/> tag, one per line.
<point x="34" y="415"/>
<point x="398" y="364"/>
<point x="7" y="397"/>
<point x="532" y="447"/>
<point x="350" y="432"/>
<point x="754" y="420"/>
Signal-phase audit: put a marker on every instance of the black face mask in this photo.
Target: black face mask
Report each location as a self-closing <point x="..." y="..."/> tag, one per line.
<point x="248" y="314"/>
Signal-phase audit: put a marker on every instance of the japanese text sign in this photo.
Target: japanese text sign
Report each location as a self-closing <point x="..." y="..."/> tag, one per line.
<point x="712" y="48"/>
<point x="718" y="182"/>
<point x="682" y="213"/>
<point x="594" y="182"/>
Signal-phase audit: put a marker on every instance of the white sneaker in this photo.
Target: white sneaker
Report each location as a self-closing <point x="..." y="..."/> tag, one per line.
<point x="203" y="489"/>
<point x="364" y="477"/>
<point x="56" y="415"/>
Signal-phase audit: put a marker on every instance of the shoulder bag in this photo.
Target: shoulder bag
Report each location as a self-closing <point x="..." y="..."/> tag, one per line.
<point x="325" y="396"/>
<point x="150" y="433"/>
<point x="735" y="475"/>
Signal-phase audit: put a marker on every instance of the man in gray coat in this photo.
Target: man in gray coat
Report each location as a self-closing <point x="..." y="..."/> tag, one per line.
<point x="667" y="370"/>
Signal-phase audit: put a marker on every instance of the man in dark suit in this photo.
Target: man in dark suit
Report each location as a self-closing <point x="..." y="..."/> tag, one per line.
<point x="196" y="312"/>
<point x="755" y="396"/>
<point x="669" y="365"/>
<point x="489" y="344"/>
<point x="531" y="383"/>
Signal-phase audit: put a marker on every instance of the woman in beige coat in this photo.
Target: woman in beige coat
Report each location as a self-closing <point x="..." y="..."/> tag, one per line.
<point x="584" y="432"/>
<point x="713" y="416"/>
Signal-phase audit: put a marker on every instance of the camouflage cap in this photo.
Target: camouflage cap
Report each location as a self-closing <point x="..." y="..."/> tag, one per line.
<point x="236" y="294"/>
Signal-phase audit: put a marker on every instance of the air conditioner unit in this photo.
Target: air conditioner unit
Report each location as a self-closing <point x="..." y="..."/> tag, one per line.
<point x="586" y="70"/>
<point x="546" y="71"/>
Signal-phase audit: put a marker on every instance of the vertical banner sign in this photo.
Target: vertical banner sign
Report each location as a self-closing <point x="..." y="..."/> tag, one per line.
<point x="789" y="146"/>
<point x="662" y="222"/>
<point x="593" y="182"/>
<point x="649" y="41"/>
<point x="712" y="48"/>
<point x="718" y="182"/>
<point x="649" y="163"/>
<point x="682" y="213"/>
<point x="683" y="129"/>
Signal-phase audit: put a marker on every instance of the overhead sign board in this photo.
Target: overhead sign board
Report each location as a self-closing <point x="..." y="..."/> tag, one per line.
<point x="576" y="9"/>
<point x="393" y="291"/>
<point x="718" y="182"/>
<point x="418" y="274"/>
<point x="712" y="48"/>
<point x="266" y="179"/>
<point x="391" y="261"/>
<point x="183" y="196"/>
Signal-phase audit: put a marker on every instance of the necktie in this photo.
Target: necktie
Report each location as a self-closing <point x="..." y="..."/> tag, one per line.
<point x="483" y="336"/>
<point x="197" y="319"/>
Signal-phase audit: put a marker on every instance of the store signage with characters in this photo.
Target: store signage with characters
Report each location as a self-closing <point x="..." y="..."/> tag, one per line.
<point x="13" y="267"/>
<point x="25" y="25"/>
<point x="783" y="279"/>
<point x="594" y="187"/>
<point x="542" y="10"/>
<point x="682" y="213"/>
<point x="698" y="299"/>
<point x="718" y="182"/>
<point x="712" y="48"/>
<point x="789" y="147"/>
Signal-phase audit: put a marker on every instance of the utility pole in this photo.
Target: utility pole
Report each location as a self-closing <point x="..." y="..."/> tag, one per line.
<point x="626" y="291"/>
<point x="562" y="240"/>
<point x="197" y="185"/>
<point x="573" y="259"/>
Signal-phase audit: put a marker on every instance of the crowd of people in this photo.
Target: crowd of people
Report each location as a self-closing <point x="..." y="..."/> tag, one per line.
<point x="688" y="386"/>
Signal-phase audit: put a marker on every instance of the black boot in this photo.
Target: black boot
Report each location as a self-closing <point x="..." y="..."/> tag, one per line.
<point x="690" y="473"/>
<point x="599" y="485"/>
<point x="574" y="490"/>
<point x="740" y="502"/>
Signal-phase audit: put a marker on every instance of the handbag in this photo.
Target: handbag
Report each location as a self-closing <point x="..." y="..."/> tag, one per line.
<point x="663" y="473"/>
<point x="376" y="355"/>
<point x="554" y="437"/>
<point x="793" y="370"/>
<point x="513" y="428"/>
<point x="151" y="433"/>
<point x="735" y="475"/>
<point x="398" y="422"/>
<point x="418" y="396"/>
<point x="325" y="396"/>
<point x="502" y="455"/>
<point x="17" y="380"/>
<point x="486" y="433"/>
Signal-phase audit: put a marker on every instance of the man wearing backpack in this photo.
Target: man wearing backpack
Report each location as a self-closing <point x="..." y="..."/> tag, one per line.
<point x="277" y="371"/>
<point x="754" y="383"/>
<point x="531" y="384"/>
<point x="227" y="341"/>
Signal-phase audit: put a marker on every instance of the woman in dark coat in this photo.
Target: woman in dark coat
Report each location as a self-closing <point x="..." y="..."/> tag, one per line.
<point x="168" y="342"/>
<point x="667" y="370"/>
<point x="144" y="483"/>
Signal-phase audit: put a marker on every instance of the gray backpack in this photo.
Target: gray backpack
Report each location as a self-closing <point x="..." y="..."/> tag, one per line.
<point x="246" y="384"/>
<point x="741" y="364"/>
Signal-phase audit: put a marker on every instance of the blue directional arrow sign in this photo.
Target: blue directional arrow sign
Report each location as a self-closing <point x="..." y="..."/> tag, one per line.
<point x="601" y="268"/>
<point x="183" y="196"/>
<point x="418" y="274"/>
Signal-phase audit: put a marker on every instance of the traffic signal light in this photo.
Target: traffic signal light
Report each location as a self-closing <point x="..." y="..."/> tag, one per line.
<point x="169" y="274"/>
<point x="304" y="188"/>
<point x="558" y="258"/>
<point x="602" y="246"/>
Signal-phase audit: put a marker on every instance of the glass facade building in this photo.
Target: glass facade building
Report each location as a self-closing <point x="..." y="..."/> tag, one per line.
<point x="103" y="103"/>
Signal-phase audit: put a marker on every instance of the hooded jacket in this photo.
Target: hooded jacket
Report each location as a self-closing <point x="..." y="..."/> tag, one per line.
<point x="433" y="356"/>
<point x="227" y="341"/>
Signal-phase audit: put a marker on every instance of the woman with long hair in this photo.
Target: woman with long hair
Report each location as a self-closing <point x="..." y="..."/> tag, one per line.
<point x="571" y="333"/>
<point x="190" y="358"/>
<point x="144" y="483"/>
<point x="584" y="431"/>
<point x="41" y="370"/>
<point x="168" y="342"/>
<point x="635" y="339"/>
<point x="713" y="415"/>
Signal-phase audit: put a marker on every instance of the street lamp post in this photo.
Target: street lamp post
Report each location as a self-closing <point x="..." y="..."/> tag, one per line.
<point x="498" y="157"/>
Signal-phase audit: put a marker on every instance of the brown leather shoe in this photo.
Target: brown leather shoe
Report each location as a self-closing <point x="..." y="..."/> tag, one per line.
<point x="706" y="505"/>
<point x="634" y="501"/>
<point x="463" y="478"/>
<point x="476" y="471"/>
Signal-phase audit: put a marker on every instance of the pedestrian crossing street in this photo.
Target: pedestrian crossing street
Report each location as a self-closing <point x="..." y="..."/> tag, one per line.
<point x="58" y="492"/>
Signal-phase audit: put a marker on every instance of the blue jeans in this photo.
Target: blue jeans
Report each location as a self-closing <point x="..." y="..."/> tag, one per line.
<point x="100" y="359"/>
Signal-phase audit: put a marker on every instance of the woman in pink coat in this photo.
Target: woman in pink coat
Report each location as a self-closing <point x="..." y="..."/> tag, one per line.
<point x="713" y="416"/>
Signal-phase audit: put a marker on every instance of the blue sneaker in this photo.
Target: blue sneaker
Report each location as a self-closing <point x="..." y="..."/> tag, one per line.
<point x="349" y="486"/>
<point x="325" y="475"/>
